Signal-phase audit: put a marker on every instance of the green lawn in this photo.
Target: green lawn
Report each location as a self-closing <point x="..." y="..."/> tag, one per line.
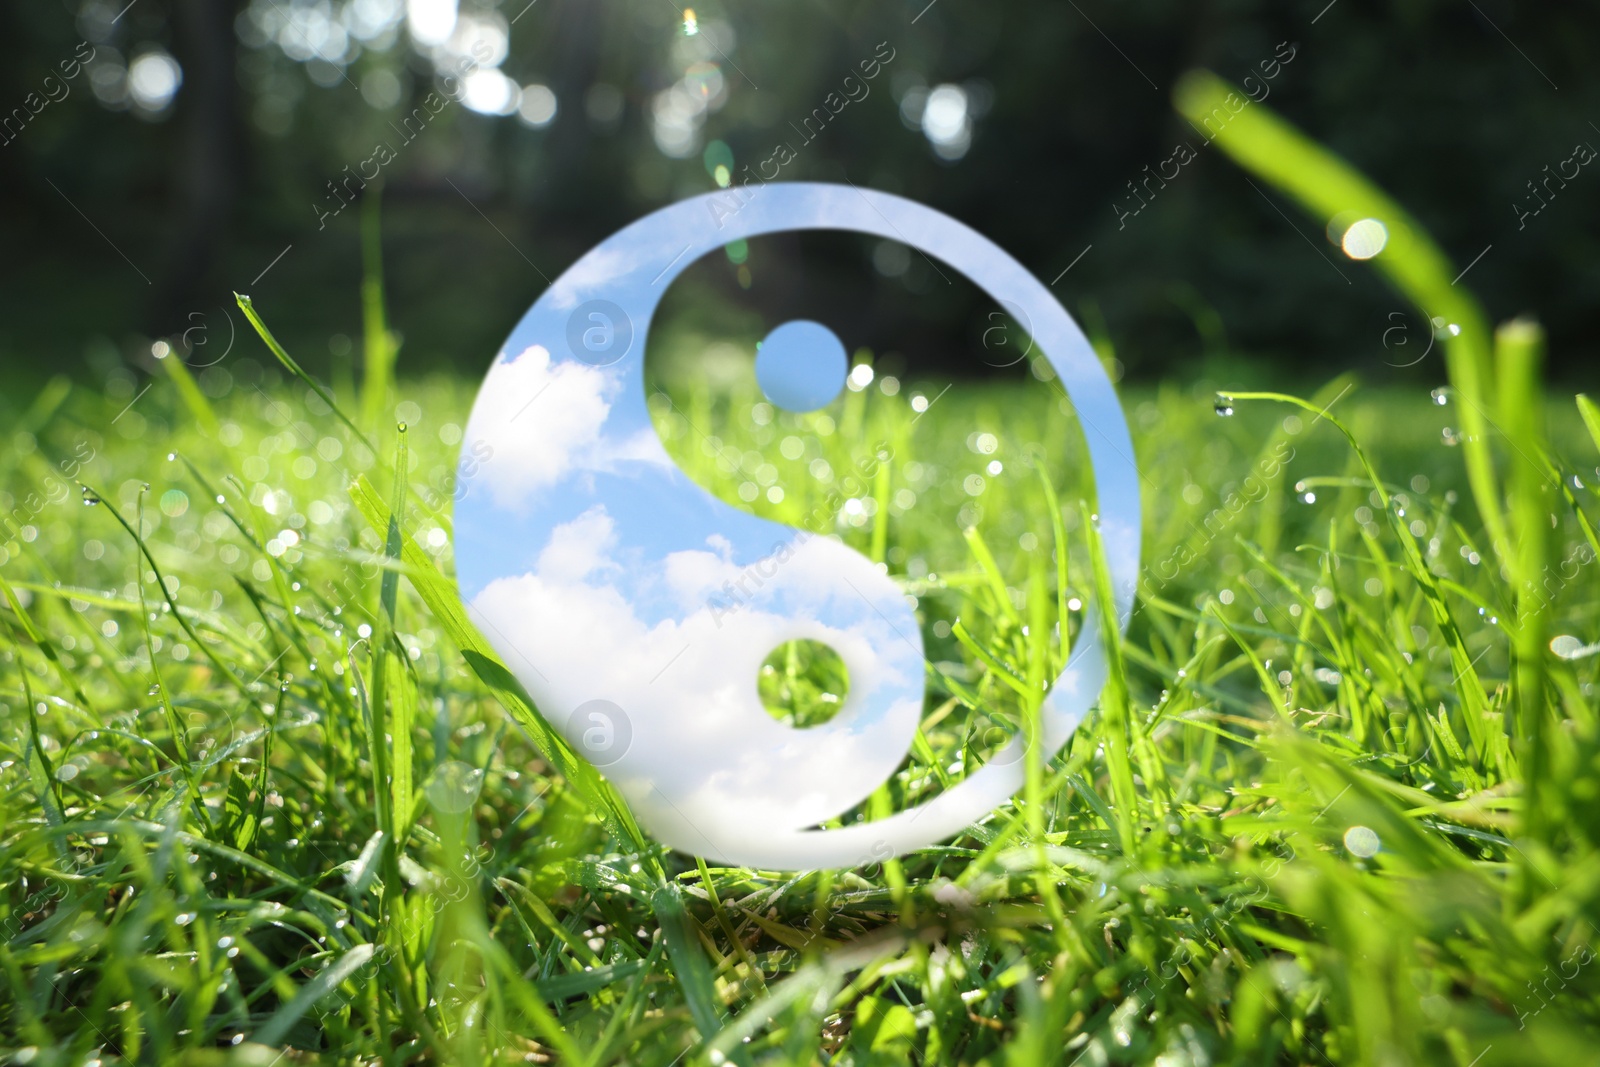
<point x="1301" y="833"/>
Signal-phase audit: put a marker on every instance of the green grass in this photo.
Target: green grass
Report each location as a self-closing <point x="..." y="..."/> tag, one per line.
<point x="261" y="786"/>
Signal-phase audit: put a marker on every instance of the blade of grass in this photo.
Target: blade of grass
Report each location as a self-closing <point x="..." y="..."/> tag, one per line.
<point x="1116" y="712"/>
<point x="444" y="604"/>
<point x="688" y="960"/>
<point x="166" y="595"/>
<point x="1519" y="352"/>
<point x="44" y="644"/>
<point x="40" y="771"/>
<point x="180" y="741"/>
<point x="294" y="368"/>
<point x="378" y="717"/>
<point x="335" y="974"/>
<point x="1591" y="418"/>
<point x="1329" y="188"/>
<point x="189" y="392"/>
<point x="378" y="348"/>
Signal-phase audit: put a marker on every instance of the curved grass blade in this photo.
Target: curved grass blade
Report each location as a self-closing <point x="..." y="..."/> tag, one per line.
<point x="1329" y="188"/>
<point x="275" y="1029"/>
<point x="294" y="368"/>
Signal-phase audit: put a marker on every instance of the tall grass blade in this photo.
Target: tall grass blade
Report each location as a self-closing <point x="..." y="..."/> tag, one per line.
<point x="294" y="368"/>
<point x="1519" y="353"/>
<point x="1591" y="418"/>
<point x="439" y="593"/>
<point x="1332" y="190"/>
<point x="378" y="345"/>
<point x="335" y="974"/>
<point x="189" y="392"/>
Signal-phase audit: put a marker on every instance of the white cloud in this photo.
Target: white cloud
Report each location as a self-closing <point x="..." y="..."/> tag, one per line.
<point x="539" y="420"/>
<point x="696" y="575"/>
<point x="545" y="420"/>
<point x="578" y="548"/>
<point x="707" y="763"/>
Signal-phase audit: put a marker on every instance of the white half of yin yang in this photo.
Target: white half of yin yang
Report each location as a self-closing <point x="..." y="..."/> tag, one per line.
<point x="597" y="569"/>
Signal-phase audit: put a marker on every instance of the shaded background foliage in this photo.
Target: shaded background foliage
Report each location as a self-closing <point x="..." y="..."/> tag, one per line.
<point x="1453" y="106"/>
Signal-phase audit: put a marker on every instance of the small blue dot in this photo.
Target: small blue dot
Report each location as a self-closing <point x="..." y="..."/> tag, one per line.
<point x="801" y="366"/>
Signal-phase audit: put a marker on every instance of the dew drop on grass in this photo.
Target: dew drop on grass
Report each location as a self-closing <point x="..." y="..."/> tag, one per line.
<point x="400" y="428"/>
<point x="89" y="499"/>
<point x="171" y="456"/>
<point x="1572" y="648"/>
<point x="1450" y="437"/>
<point x="1223" y="405"/>
<point x="1441" y="395"/>
<point x="1362" y="842"/>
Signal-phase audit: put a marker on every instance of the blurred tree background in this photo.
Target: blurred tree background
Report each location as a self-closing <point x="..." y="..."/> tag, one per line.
<point x="159" y="155"/>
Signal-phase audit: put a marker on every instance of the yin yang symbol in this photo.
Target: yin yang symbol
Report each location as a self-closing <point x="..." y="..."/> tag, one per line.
<point x="595" y="566"/>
